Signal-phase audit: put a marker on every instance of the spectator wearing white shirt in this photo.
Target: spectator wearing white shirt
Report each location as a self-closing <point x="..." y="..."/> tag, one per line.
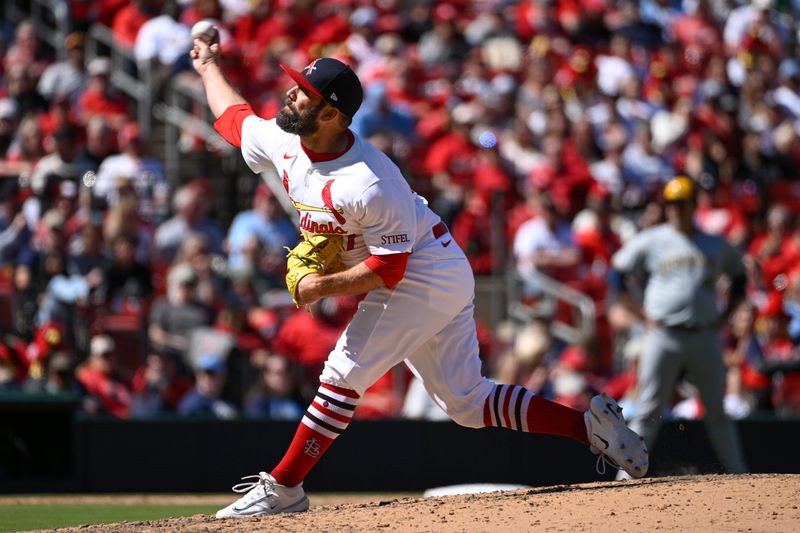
<point x="135" y="167"/>
<point x="615" y="68"/>
<point x="163" y="38"/>
<point x="642" y="168"/>
<point x="67" y="77"/>
<point x="545" y="242"/>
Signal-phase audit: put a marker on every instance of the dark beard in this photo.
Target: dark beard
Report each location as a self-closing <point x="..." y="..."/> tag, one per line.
<point x="301" y="124"/>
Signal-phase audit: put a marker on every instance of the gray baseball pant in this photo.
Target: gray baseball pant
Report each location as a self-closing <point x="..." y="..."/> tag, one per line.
<point x="668" y="351"/>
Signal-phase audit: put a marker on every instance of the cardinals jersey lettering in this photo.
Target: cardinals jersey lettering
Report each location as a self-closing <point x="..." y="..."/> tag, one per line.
<point x="361" y="195"/>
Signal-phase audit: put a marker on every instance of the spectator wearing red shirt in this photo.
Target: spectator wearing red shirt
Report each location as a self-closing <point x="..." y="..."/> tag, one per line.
<point x="326" y="320"/>
<point x="131" y="18"/>
<point x="563" y="171"/>
<point x="333" y="27"/>
<point x="769" y="251"/>
<point x="202" y="9"/>
<point x="472" y="230"/>
<point x="25" y="50"/>
<point x="97" y="377"/>
<point x="698" y="29"/>
<point x="256" y="30"/>
<point x="450" y="162"/>
<point x="100" y="98"/>
<point x="717" y="214"/>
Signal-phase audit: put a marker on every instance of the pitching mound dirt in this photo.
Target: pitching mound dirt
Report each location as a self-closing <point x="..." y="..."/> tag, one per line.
<point x="693" y="503"/>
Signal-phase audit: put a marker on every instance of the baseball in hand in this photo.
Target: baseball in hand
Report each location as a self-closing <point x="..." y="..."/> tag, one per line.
<point x="205" y="31"/>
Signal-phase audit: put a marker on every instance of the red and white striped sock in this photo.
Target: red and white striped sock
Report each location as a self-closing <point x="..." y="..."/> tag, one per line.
<point x="326" y="418"/>
<point x="514" y="407"/>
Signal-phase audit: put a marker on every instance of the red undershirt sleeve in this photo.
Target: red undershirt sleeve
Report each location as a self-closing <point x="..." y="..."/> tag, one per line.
<point x="390" y="267"/>
<point x="229" y="123"/>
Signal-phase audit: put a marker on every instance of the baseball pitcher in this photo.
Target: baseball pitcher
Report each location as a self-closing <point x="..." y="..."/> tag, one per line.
<point x="366" y="231"/>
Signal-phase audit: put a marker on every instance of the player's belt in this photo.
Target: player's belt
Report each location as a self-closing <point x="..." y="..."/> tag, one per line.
<point x="439" y="230"/>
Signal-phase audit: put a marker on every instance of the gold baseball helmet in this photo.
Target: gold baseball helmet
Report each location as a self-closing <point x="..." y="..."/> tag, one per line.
<point x="679" y="189"/>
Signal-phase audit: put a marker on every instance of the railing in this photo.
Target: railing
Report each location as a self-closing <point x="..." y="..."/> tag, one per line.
<point x="554" y="291"/>
<point x="50" y="20"/>
<point x="140" y="87"/>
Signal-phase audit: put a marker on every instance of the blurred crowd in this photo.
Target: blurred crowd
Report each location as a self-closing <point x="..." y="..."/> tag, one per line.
<point x="561" y="119"/>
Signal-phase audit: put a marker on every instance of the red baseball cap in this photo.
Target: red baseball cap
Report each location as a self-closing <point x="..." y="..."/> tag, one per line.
<point x="331" y="80"/>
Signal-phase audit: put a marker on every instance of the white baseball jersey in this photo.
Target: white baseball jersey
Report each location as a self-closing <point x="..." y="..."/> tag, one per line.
<point x="360" y="195"/>
<point x="427" y="319"/>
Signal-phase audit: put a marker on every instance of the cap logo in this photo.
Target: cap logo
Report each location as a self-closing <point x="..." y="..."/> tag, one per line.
<point x="334" y="97"/>
<point x="310" y="68"/>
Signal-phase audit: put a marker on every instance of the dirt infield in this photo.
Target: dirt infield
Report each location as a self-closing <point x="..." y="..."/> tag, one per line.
<point x="767" y="503"/>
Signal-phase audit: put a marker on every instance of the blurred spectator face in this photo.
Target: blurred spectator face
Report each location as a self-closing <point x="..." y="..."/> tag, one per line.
<point x="53" y="240"/>
<point x="156" y="364"/>
<point x="74" y="45"/>
<point x="751" y="146"/>
<point x="18" y="81"/>
<point x="643" y="138"/>
<point x="242" y="288"/>
<point x="631" y="89"/>
<point x="99" y="141"/>
<point x="130" y="140"/>
<point x="210" y="382"/>
<point x="26" y="37"/>
<point x="193" y="247"/>
<point x="545" y="209"/>
<point x="742" y="320"/>
<point x="101" y="362"/>
<point x="60" y="376"/>
<point x="653" y="214"/>
<point x="705" y="198"/>
<point x="778" y="219"/>
<point x="184" y="292"/>
<point x="265" y="202"/>
<point x="208" y="9"/>
<point x="124" y="250"/>
<point x="8" y="117"/>
<point x="99" y="81"/>
<point x="92" y="239"/>
<point x="277" y="376"/>
<point x="65" y="144"/>
<point x="181" y="281"/>
<point x="31" y="139"/>
<point x="195" y="252"/>
<point x="53" y="265"/>
<point x="65" y="201"/>
<point x="9" y="199"/>
<point x="553" y="147"/>
<point x="187" y="204"/>
<point x="22" y="278"/>
<point x="774" y="326"/>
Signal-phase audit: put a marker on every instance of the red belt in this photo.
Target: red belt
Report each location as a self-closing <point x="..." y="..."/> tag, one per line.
<point x="439" y="230"/>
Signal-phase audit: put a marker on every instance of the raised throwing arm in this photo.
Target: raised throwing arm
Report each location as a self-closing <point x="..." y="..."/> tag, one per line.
<point x="220" y="94"/>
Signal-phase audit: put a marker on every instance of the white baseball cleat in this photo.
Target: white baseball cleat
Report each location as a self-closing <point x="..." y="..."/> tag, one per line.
<point x="265" y="497"/>
<point x="612" y="439"/>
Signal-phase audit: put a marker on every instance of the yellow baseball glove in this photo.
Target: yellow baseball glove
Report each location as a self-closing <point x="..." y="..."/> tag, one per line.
<point x="316" y="254"/>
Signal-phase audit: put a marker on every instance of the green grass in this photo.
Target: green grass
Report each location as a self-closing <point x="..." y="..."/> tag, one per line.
<point x="22" y="517"/>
